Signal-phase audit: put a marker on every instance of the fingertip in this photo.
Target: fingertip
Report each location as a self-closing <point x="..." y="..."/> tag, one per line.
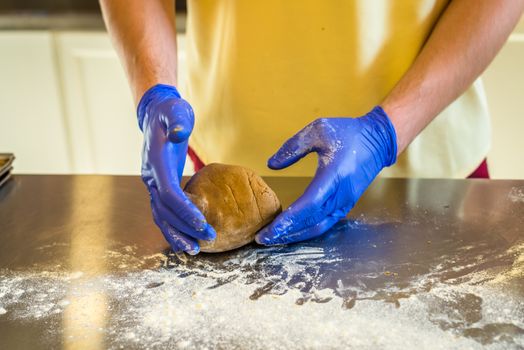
<point x="188" y="245"/>
<point x="274" y="163"/>
<point x="210" y="233"/>
<point x="194" y="251"/>
<point x="262" y="240"/>
<point x="178" y="133"/>
<point x="265" y="237"/>
<point x="270" y="235"/>
<point x="179" y="120"/>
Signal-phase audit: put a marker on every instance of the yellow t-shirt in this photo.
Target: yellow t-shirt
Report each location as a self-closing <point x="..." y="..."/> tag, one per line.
<point x="259" y="71"/>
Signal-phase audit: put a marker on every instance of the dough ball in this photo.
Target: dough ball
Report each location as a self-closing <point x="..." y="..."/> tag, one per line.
<point x="235" y="201"/>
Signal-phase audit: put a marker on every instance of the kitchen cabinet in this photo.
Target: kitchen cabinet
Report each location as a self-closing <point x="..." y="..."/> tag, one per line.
<point x="98" y="106"/>
<point x="68" y="90"/>
<point x="504" y="83"/>
<point x="32" y="123"/>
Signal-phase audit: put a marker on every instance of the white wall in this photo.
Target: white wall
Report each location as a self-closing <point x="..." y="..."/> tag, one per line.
<point x="32" y="124"/>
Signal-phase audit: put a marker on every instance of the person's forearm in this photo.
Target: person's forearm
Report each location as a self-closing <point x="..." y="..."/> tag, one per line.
<point x="464" y="41"/>
<point x="144" y="35"/>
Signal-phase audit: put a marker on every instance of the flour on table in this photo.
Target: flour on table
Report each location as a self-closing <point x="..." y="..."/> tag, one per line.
<point x="276" y="298"/>
<point x="516" y="195"/>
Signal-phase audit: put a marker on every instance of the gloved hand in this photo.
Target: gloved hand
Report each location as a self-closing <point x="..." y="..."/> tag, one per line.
<point x="351" y="152"/>
<point x="167" y="121"/>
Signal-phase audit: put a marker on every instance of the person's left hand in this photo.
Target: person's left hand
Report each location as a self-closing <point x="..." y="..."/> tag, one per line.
<point x="351" y="153"/>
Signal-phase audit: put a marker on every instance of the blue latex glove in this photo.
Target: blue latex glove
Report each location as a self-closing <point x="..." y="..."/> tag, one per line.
<point x="167" y="121"/>
<point x="351" y="152"/>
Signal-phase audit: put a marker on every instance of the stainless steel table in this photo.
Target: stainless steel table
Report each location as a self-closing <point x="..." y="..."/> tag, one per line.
<point x="418" y="263"/>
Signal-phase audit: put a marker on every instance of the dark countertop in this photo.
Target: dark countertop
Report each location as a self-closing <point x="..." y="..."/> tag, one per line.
<point x="64" y="21"/>
<point x="45" y="21"/>
<point x="62" y="15"/>
<point x="418" y="263"/>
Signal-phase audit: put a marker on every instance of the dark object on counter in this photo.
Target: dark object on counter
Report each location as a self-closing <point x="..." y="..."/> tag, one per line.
<point x="6" y="165"/>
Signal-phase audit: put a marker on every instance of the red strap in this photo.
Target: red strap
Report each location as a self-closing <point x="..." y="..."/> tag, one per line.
<point x="481" y="172"/>
<point x="197" y="162"/>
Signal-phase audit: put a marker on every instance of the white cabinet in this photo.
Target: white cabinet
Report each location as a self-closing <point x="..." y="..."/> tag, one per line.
<point x="65" y="105"/>
<point x="32" y="124"/>
<point x="504" y="82"/>
<point x="98" y="105"/>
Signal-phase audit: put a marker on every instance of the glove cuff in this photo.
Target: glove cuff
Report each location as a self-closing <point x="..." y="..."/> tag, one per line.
<point x="157" y="92"/>
<point x="386" y="131"/>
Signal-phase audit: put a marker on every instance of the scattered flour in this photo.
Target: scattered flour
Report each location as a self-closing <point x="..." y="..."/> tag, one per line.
<point x="275" y="298"/>
<point x="516" y="195"/>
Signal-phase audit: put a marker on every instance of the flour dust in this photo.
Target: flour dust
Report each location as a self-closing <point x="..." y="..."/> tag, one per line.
<point x="277" y="298"/>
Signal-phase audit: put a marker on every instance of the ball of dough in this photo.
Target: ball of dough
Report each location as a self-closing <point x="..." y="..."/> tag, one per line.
<point x="235" y="201"/>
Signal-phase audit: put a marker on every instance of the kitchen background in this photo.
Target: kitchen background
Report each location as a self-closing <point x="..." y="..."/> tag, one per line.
<point x="65" y="106"/>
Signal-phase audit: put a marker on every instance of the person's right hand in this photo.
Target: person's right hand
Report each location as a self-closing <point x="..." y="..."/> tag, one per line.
<point x="167" y="121"/>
